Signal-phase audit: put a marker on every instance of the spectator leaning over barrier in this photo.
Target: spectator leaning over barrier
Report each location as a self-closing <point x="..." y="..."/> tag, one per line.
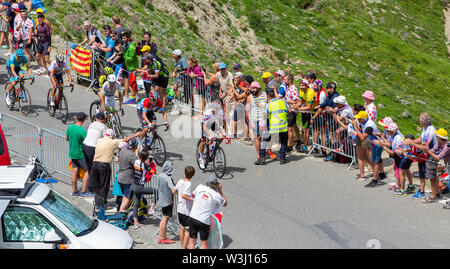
<point x="441" y="151"/>
<point x="425" y="142"/>
<point x="368" y="131"/>
<point x="184" y="190"/>
<point x="207" y="200"/>
<point x="165" y="200"/>
<point x="131" y="63"/>
<point x="95" y="131"/>
<point x="75" y="134"/>
<point x="125" y="175"/>
<point x="108" y="46"/>
<point x="93" y="36"/>
<point x="180" y="67"/>
<point x="212" y="82"/>
<point x="240" y="94"/>
<point x="101" y="166"/>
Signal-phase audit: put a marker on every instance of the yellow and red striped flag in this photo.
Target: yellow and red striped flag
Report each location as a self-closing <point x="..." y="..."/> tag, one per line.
<point x="80" y="60"/>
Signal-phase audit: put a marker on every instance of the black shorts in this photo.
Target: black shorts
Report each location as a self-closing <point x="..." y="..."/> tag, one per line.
<point x="80" y="163"/>
<point x="162" y="82"/>
<point x="167" y="211"/>
<point x="16" y="69"/>
<point x="291" y="118"/>
<point x="196" y="227"/>
<point x="306" y="119"/>
<point x="150" y="116"/>
<point x="405" y="163"/>
<point x="42" y="48"/>
<point x="183" y="220"/>
<point x="422" y="169"/>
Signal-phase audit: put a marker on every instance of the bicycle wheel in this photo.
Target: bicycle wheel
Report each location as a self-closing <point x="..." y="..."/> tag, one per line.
<point x="63" y="108"/>
<point x="51" y="109"/>
<point x="95" y="106"/>
<point x="158" y="150"/>
<point x="197" y="155"/>
<point x="219" y="162"/>
<point x="6" y="96"/>
<point x="24" y="101"/>
<point x="116" y="125"/>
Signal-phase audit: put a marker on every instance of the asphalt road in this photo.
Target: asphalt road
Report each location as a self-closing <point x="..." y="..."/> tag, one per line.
<point x="306" y="203"/>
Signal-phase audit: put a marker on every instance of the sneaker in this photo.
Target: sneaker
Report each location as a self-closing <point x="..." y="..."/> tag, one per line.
<point x="8" y="100"/>
<point x="271" y="154"/>
<point x="52" y="101"/>
<point x="76" y="194"/>
<point x="201" y="162"/>
<point x="410" y="189"/>
<point x="165" y="241"/>
<point x="399" y="192"/>
<point x="372" y="183"/>
<point x="382" y="176"/>
<point x="329" y="158"/>
<point x="260" y="161"/>
<point x="392" y="188"/>
<point x="86" y="194"/>
<point x="358" y="177"/>
<point x="418" y="195"/>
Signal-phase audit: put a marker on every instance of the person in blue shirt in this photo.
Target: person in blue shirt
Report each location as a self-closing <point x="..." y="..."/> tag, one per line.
<point x="108" y="47"/>
<point x="14" y="69"/>
<point x="180" y="67"/>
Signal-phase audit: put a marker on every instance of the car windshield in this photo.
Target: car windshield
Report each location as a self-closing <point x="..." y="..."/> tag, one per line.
<point x="71" y="216"/>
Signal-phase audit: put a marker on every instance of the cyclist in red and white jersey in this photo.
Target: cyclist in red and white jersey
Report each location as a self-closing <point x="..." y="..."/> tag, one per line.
<point x="146" y="114"/>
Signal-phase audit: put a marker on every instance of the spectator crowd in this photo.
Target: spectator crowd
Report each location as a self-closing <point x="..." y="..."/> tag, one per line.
<point x="280" y="109"/>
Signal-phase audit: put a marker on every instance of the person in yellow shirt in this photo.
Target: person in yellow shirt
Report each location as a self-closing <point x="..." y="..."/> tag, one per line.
<point x="307" y="99"/>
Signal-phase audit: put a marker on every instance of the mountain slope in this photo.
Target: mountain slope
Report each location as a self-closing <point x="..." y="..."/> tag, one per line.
<point x="395" y="48"/>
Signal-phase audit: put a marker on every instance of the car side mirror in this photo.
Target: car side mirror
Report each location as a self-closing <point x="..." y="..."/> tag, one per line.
<point x="52" y="238"/>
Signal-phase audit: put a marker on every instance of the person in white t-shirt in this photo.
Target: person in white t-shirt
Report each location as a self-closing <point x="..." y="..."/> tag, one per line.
<point x="207" y="200"/>
<point x="95" y="131"/>
<point x="184" y="190"/>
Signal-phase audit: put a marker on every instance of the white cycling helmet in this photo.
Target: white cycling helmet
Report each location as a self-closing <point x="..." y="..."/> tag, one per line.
<point x="112" y="78"/>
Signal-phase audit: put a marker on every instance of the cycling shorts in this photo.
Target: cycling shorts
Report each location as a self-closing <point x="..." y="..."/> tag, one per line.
<point x="150" y="116"/>
<point x="58" y="77"/>
<point x="18" y="71"/>
<point x="110" y="102"/>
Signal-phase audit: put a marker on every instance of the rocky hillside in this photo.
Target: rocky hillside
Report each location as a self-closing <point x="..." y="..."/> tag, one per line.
<point x="397" y="48"/>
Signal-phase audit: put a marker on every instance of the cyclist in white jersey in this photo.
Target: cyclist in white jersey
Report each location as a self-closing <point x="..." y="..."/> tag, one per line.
<point x="108" y="94"/>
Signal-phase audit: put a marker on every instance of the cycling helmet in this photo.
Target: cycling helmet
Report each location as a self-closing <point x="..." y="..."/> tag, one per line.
<point x="109" y="70"/>
<point x="59" y="58"/>
<point x="20" y="53"/>
<point x="112" y="78"/>
<point x="152" y="95"/>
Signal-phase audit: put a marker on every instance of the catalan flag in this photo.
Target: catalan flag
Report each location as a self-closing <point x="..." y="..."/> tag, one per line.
<point x="80" y="60"/>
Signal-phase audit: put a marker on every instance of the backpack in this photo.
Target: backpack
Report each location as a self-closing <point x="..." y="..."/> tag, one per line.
<point x="149" y="174"/>
<point x="142" y="211"/>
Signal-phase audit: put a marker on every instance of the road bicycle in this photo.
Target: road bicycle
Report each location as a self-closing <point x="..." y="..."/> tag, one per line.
<point x="214" y="154"/>
<point x="155" y="144"/>
<point x="21" y="95"/>
<point x="60" y="103"/>
<point x="113" y="117"/>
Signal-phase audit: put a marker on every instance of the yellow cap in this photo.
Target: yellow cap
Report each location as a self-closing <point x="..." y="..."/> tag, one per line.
<point x="145" y="48"/>
<point x="266" y="75"/>
<point x="39" y="10"/>
<point x="442" y="133"/>
<point x="362" y="115"/>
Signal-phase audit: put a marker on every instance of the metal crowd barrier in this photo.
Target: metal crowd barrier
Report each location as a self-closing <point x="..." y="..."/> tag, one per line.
<point x="54" y="152"/>
<point x="196" y="95"/>
<point x="173" y="225"/>
<point x="328" y="135"/>
<point x="92" y="69"/>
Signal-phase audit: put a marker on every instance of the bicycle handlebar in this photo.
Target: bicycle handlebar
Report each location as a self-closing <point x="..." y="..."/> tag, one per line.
<point x="215" y="139"/>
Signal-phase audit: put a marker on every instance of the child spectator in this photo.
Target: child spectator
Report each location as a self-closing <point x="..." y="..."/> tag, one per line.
<point x="185" y="200"/>
<point x="142" y="166"/>
<point x="165" y="201"/>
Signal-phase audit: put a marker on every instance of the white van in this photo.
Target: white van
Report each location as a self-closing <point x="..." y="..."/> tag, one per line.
<point x="35" y="217"/>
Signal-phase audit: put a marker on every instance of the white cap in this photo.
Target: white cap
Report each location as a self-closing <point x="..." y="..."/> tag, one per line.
<point x="340" y="100"/>
<point x="177" y="52"/>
